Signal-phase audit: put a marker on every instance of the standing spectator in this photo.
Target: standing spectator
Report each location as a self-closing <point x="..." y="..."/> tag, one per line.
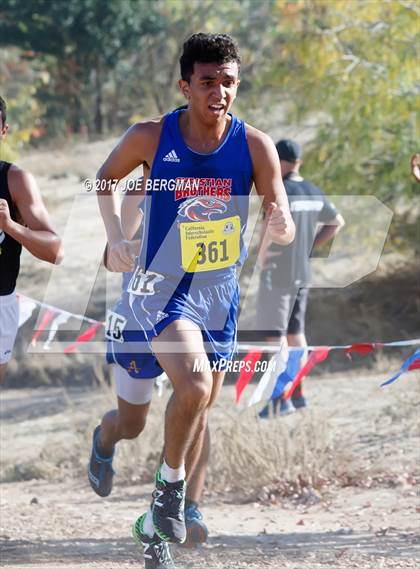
<point x="286" y="275"/>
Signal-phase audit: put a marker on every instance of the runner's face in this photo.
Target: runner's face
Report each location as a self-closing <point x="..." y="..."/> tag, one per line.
<point x="212" y="89"/>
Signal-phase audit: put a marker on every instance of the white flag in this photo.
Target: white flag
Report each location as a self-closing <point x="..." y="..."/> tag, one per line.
<point x="268" y="381"/>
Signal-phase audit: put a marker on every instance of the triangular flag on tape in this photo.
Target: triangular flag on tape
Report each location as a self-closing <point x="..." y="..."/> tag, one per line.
<point x="316" y="357"/>
<point x="47" y="317"/>
<point x="56" y="323"/>
<point x="410" y="364"/>
<point x="85" y="337"/>
<point x="415" y="364"/>
<point x="247" y="371"/>
<point x="362" y="348"/>
<point x="265" y="387"/>
<point x="292" y="368"/>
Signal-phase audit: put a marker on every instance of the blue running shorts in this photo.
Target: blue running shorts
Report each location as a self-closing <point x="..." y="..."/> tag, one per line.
<point x="127" y="345"/>
<point x="158" y="301"/>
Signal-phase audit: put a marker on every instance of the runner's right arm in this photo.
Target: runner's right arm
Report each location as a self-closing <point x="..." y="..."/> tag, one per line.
<point x="137" y="147"/>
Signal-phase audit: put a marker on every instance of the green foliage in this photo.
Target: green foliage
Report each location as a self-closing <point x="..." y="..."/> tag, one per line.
<point x="355" y="66"/>
<point x="348" y="66"/>
<point x="18" y="80"/>
<point x="79" y="42"/>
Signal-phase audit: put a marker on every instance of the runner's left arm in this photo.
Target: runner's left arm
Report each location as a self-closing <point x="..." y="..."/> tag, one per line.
<point x="269" y="185"/>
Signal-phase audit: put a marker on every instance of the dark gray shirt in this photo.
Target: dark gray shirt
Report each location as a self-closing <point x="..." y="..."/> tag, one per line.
<point x="309" y="208"/>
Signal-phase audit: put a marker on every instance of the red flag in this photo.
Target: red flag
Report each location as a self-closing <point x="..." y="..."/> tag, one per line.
<point x="48" y="316"/>
<point x="363" y="348"/>
<point x="85" y="337"/>
<point x="247" y="371"/>
<point x="414" y="365"/>
<point x="316" y="357"/>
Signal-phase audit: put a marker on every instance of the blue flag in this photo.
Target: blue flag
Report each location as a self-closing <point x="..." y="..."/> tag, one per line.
<point x="410" y="364"/>
<point x="293" y="366"/>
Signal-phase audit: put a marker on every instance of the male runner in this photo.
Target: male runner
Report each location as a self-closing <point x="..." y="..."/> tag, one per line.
<point x="184" y="294"/>
<point x="134" y="392"/>
<point x="283" y="293"/>
<point x="24" y="221"/>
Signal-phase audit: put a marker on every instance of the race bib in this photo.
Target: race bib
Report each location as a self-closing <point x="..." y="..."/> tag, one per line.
<point x="210" y="245"/>
<point x="115" y="325"/>
<point x="143" y="282"/>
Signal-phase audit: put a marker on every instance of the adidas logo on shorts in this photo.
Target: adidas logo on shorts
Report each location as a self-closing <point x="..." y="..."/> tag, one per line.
<point x="171" y="157"/>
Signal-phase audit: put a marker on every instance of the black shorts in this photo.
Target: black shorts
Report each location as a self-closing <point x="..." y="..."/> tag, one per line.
<point x="280" y="311"/>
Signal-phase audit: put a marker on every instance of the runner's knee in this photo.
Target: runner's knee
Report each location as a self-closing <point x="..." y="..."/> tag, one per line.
<point x="196" y="394"/>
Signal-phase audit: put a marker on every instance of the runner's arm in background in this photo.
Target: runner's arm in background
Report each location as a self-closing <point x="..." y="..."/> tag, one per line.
<point x="131" y="214"/>
<point x="136" y="147"/>
<point x="35" y="232"/>
<point x="131" y="219"/>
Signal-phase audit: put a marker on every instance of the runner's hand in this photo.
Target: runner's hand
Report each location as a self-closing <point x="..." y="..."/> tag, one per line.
<point x="278" y="222"/>
<point x="5" y="218"/>
<point x="121" y="256"/>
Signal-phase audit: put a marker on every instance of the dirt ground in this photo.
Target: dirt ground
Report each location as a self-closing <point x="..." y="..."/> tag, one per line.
<point x="372" y="522"/>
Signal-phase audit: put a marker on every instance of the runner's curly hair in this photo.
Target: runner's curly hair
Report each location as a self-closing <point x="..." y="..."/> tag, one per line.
<point x="207" y="48"/>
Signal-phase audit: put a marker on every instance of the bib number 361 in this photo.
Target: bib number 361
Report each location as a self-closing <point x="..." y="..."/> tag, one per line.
<point x="213" y="252"/>
<point x="210" y="245"/>
<point x="143" y="282"/>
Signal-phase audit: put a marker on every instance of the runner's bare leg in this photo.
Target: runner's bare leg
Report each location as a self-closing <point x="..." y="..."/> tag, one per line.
<point x="185" y="419"/>
<point x="126" y="422"/>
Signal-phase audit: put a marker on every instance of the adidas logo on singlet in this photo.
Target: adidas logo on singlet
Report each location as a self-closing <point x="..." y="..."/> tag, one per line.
<point x="171" y="157"/>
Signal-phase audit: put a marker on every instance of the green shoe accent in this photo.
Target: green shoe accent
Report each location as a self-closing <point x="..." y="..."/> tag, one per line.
<point x="168" y="510"/>
<point x="162" y="536"/>
<point x="158" y="477"/>
<point x="138" y="529"/>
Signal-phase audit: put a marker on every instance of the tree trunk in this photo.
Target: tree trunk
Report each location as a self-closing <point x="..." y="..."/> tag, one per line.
<point x="99" y="121"/>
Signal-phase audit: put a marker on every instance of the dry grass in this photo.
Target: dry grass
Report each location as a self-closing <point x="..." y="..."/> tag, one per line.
<point x="250" y="454"/>
<point x="358" y="442"/>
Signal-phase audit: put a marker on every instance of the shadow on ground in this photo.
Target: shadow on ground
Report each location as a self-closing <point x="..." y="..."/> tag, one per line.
<point x="293" y="545"/>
